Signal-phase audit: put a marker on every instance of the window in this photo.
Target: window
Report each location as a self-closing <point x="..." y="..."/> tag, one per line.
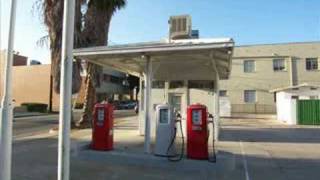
<point x="106" y="77"/>
<point x="176" y="84"/>
<point x="201" y="84"/>
<point x="314" y="97"/>
<point x="222" y="93"/>
<point x="279" y="65"/>
<point x="115" y="79"/>
<point x="249" y="66"/>
<point x="250" y="96"/>
<point x="158" y="84"/>
<point x="312" y="64"/>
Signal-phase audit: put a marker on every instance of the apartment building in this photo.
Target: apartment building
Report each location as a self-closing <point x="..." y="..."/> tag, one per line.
<point x="257" y="69"/>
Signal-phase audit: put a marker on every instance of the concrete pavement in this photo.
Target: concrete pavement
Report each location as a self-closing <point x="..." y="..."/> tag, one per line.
<point x="250" y="148"/>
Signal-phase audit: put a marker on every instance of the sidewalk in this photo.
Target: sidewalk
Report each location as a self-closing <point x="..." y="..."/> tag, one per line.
<point x="128" y="155"/>
<point x="29" y="114"/>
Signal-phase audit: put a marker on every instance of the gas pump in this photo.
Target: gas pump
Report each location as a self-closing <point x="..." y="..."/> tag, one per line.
<point x="197" y="132"/>
<point x="102" y="129"/>
<point x="165" y="130"/>
<point x="166" y="133"/>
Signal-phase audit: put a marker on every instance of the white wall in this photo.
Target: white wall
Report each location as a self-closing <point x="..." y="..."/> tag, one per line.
<point x="286" y="108"/>
<point x="189" y="96"/>
<point x="225" y="107"/>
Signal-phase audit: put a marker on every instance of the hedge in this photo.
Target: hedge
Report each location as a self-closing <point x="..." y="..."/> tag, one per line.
<point x="36" y="107"/>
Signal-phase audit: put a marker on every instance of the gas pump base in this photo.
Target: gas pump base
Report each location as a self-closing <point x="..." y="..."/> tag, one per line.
<point x="165" y="132"/>
<point x="197" y="132"/>
<point x="102" y="130"/>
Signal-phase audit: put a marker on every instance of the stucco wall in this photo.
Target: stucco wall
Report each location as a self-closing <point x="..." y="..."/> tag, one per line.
<point x="188" y="96"/>
<point x="32" y="84"/>
<point x="264" y="78"/>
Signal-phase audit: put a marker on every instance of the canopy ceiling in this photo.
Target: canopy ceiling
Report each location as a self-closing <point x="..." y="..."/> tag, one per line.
<point x="175" y="60"/>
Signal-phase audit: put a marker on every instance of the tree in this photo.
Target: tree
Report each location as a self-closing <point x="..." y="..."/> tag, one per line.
<point x="52" y="11"/>
<point x="92" y="23"/>
<point x="99" y="14"/>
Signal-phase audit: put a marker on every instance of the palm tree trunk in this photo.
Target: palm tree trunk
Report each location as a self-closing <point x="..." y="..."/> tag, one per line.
<point x="90" y="99"/>
<point x="94" y="18"/>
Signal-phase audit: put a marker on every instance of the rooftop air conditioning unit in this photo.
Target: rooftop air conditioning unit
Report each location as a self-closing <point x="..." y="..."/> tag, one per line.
<point x="180" y="27"/>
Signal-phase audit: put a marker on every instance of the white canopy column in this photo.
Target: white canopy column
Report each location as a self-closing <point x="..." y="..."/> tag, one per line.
<point x="148" y="73"/>
<point x="216" y="108"/>
<point x="216" y="99"/>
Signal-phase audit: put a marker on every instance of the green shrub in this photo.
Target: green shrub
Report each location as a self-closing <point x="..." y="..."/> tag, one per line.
<point x="78" y="106"/>
<point x="36" y="107"/>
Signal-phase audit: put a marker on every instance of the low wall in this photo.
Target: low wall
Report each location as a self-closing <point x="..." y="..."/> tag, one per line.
<point x="253" y="108"/>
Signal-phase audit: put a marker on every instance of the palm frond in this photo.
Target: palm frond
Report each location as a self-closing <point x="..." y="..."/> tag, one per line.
<point x="106" y="5"/>
<point x="43" y="41"/>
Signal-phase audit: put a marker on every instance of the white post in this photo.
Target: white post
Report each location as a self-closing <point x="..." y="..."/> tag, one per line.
<point x="141" y="106"/>
<point x="147" y="105"/>
<point x="0" y="26"/>
<point x="6" y="104"/>
<point x="66" y="91"/>
<point x="216" y="107"/>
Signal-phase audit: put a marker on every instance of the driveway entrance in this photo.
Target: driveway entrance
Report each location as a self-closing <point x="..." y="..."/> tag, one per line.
<point x="262" y="148"/>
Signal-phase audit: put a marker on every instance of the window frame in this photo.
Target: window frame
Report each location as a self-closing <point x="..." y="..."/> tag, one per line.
<point x="245" y="70"/>
<point x="245" y="99"/>
<point x="181" y="82"/>
<point x="158" y="84"/>
<point x="223" y="95"/>
<point x="316" y="61"/>
<point x="200" y="84"/>
<point x="278" y="69"/>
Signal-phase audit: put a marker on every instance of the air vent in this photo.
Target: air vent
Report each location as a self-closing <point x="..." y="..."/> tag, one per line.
<point x="180" y="27"/>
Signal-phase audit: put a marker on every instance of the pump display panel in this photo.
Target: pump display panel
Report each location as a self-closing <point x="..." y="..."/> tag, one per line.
<point x="100" y="117"/>
<point x="196" y="117"/>
<point x="164" y="116"/>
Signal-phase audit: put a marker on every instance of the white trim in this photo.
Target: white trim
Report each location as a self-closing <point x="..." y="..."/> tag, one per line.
<point x="168" y="47"/>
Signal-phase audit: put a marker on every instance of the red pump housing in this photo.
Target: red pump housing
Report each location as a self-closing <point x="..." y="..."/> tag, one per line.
<point x="102" y="131"/>
<point x="197" y="132"/>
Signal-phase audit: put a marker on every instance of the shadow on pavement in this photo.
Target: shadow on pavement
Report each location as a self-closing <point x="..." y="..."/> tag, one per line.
<point x="290" y="135"/>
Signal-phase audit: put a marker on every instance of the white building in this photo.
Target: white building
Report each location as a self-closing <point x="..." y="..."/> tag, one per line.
<point x="286" y="100"/>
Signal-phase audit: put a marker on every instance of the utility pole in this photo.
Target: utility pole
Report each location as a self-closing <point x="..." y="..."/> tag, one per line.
<point x="66" y="90"/>
<point x="6" y="110"/>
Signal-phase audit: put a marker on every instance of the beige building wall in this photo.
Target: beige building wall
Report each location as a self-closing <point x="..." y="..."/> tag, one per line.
<point x="188" y="96"/>
<point x="265" y="78"/>
<point x="31" y="84"/>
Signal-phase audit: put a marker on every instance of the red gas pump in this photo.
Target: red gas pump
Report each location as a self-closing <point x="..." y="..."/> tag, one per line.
<point x="197" y="132"/>
<point x="102" y="130"/>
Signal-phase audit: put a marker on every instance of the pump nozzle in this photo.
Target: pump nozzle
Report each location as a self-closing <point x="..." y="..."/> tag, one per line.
<point x="178" y="117"/>
<point x="210" y="116"/>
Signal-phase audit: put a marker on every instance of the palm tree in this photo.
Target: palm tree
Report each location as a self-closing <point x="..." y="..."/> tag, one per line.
<point x="96" y="29"/>
<point x="91" y="29"/>
<point x="52" y="18"/>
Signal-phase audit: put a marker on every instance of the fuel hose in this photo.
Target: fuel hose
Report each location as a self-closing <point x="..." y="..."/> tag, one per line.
<point x="177" y="157"/>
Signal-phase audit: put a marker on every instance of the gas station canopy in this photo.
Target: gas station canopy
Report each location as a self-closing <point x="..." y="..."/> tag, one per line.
<point x="190" y="59"/>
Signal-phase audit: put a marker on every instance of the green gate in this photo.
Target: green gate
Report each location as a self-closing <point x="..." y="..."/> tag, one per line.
<point x="308" y="112"/>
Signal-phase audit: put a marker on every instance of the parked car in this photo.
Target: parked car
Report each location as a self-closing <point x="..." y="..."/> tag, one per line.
<point x="136" y="108"/>
<point x="120" y="105"/>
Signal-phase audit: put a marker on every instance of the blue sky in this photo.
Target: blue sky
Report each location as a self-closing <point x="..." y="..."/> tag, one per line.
<point x="247" y="21"/>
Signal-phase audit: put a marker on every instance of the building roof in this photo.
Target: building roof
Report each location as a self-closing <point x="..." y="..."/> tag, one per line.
<point x="279" y="43"/>
<point x="304" y="85"/>
<point x="175" y="59"/>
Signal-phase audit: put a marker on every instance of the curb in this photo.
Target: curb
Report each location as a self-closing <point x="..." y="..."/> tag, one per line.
<point x="30" y="115"/>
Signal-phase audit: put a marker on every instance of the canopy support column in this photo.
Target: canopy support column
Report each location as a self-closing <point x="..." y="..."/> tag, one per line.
<point x="216" y="110"/>
<point x="147" y="103"/>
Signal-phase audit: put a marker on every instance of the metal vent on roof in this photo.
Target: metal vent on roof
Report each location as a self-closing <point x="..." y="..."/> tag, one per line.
<point x="180" y="27"/>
